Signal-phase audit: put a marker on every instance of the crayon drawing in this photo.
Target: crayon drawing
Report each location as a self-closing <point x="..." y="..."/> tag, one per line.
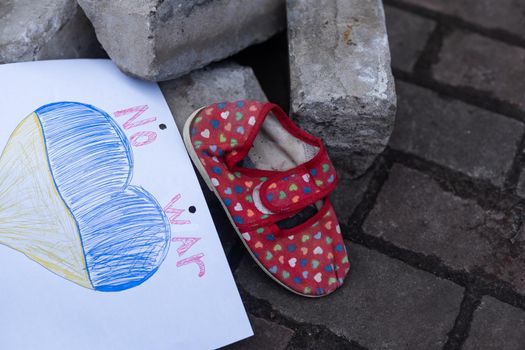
<point x="66" y="201"/>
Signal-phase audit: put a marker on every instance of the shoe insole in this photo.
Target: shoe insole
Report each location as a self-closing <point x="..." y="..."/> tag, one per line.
<point x="275" y="148"/>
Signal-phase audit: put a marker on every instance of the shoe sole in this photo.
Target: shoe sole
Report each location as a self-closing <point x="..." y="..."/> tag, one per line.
<point x="193" y="155"/>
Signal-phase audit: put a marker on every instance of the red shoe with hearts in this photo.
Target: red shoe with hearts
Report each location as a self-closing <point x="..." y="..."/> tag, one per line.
<point x="269" y="175"/>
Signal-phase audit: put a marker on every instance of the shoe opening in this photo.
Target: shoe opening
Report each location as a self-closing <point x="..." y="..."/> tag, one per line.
<point x="275" y="148"/>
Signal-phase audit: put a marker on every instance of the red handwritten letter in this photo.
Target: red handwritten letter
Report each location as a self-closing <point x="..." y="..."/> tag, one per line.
<point x="131" y="122"/>
<point x="194" y="259"/>
<point x="170" y="209"/>
<point x="143" y="138"/>
<point x="187" y="243"/>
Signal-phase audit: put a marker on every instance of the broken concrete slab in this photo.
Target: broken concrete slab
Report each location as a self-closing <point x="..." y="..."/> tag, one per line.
<point x="219" y="82"/>
<point x="165" y="39"/>
<point x="342" y="87"/>
<point x="48" y="29"/>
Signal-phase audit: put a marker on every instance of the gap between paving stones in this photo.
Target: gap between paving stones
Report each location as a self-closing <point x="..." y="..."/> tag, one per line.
<point x="460" y="332"/>
<point x="478" y="282"/>
<point x="484" y="193"/>
<point x="496" y="34"/>
<point x="422" y="72"/>
<point x="496" y="326"/>
<point x="422" y="76"/>
<point x="513" y="177"/>
<point x="476" y="286"/>
<point x="460" y="136"/>
<point x="481" y="100"/>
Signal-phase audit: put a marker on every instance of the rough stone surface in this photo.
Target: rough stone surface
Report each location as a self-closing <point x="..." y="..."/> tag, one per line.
<point x="507" y="15"/>
<point x="477" y="62"/>
<point x="341" y="81"/>
<point x="46" y="29"/>
<point x="407" y="35"/>
<point x="521" y="185"/>
<point x="268" y="335"/>
<point x="415" y="213"/>
<point x="320" y="338"/>
<point x="161" y="40"/>
<point x="220" y="82"/>
<point x="384" y="304"/>
<point x="462" y="137"/>
<point x="496" y="326"/>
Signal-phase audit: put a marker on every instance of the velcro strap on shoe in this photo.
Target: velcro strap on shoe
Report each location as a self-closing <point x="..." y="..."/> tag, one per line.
<point x="299" y="187"/>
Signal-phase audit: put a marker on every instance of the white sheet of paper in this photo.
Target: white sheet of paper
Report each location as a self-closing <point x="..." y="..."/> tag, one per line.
<point x="174" y="308"/>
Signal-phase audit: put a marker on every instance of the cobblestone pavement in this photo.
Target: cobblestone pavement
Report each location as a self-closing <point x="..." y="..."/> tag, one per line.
<point x="435" y="228"/>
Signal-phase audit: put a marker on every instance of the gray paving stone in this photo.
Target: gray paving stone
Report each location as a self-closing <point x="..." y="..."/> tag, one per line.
<point x="496" y="326"/>
<point x="320" y="338"/>
<point x="413" y="212"/>
<point x="407" y="34"/>
<point x="384" y="304"/>
<point x="349" y="193"/>
<point x="474" y="61"/>
<point x="45" y="29"/>
<point x="218" y="82"/>
<point x="505" y="15"/>
<point x="341" y="81"/>
<point x="521" y="185"/>
<point x="268" y="335"/>
<point x="462" y="137"/>
<point x="161" y="40"/>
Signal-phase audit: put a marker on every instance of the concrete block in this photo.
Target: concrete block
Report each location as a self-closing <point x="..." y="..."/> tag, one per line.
<point x="342" y="87"/>
<point x="45" y="29"/>
<point x="220" y="82"/>
<point x="165" y="39"/>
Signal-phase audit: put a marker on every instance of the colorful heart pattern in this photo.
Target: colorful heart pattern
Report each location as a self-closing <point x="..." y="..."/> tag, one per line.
<point x="307" y="260"/>
<point x="310" y="272"/>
